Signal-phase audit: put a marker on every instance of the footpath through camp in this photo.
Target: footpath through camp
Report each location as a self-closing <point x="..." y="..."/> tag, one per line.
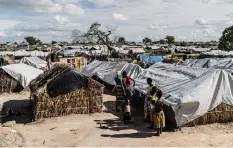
<point x="105" y="129"/>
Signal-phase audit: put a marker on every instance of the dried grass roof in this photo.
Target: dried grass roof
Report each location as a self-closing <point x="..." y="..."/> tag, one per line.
<point x="47" y="76"/>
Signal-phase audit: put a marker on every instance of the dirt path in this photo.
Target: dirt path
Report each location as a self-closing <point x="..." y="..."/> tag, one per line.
<point x="85" y="130"/>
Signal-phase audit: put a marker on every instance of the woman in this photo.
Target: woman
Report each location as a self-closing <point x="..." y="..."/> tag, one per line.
<point x="158" y="114"/>
<point x="120" y="92"/>
<point x="128" y="86"/>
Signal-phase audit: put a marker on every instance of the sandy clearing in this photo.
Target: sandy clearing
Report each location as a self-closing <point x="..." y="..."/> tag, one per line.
<point x="84" y="130"/>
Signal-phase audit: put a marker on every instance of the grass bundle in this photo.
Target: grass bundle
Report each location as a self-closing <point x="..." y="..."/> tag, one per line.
<point x="8" y="83"/>
<point x="223" y="113"/>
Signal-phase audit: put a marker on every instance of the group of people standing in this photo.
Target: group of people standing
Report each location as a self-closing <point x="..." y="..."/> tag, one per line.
<point x="153" y="106"/>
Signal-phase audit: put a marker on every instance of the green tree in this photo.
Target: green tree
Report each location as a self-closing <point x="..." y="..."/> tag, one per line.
<point x="32" y="40"/>
<point x="121" y="40"/>
<point x="53" y="42"/>
<point x="146" y="40"/>
<point x="226" y="41"/>
<point x="162" y="41"/>
<point x="170" y="39"/>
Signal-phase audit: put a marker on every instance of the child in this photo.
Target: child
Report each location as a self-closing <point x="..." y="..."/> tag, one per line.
<point x="158" y="114"/>
<point x="127" y="112"/>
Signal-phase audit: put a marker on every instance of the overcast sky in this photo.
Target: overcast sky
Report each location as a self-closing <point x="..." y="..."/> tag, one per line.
<point x="189" y="20"/>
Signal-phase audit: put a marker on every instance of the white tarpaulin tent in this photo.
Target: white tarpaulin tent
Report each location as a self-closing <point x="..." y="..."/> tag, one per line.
<point x="106" y="71"/>
<point x="191" y="92"/>
<point x="22" y="73"/>
<point x="217" y="63"/>
<point x="34" y="62"/>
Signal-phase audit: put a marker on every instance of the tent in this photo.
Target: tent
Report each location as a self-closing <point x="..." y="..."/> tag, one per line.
<point x="106" y="71"/>
<point x="39" y="54"/>
<point x="151" y="59"/>
<point x="217" y="63"/>
<point x="34" y="62"/>
<point x="191" y="92"/>
<point x="16" y="77"/>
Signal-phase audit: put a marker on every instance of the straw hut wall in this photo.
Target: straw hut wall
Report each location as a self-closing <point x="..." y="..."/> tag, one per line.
<point x="87" y="99"/>
<point x="223" y="113"/>
<point x="8" y="84"/>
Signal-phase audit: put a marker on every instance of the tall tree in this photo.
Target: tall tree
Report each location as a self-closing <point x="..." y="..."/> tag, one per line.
<point x="226" y="41"/>
<point x="53" y="42"/>
<point x="162" y="41"/>
<point x="170" y="39"/>
<point x="93" y="34"/>
<point x="146" y="40"/>
<point x="32" y="40"/>
<point x="121" y="40"/>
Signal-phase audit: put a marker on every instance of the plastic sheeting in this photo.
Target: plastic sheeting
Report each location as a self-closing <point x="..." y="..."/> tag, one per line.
<point x="151" y="59"/>
<point x="25" y="53"/>
<point x="34" y="62"/>
<point x="22" y="73"/>
<point x="191" y="92"/>
<point x="66" y="82"/>
<point x="106" y="71"/>
<point x="218" y="63"/>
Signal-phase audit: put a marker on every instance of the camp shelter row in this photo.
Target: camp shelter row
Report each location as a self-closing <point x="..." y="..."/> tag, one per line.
<point x="192" y="95"/>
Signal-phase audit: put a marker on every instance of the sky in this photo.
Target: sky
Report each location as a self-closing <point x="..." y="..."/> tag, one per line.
<point x="187" y="20"/>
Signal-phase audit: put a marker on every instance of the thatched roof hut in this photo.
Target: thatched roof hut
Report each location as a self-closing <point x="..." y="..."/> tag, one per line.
<point x="63" y="90"/>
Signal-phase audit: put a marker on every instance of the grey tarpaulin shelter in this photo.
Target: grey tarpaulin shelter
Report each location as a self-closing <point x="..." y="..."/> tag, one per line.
<point x="216" y="63"/>
<point x="190" y="92"/>
<point x="106" y="71"/>
<point x="34" y="62"/>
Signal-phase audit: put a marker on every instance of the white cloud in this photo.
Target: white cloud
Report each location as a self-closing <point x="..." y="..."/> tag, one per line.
<point x="73" y="9"/>
<point x="66" y="1"/>
<point x="118" y="16"/>
<point x="103" y="3"/>
<point x="7" y="23"/>
<point x="158" y="27"/>
<point x="2" y="34"/>
<point x="201" y="21"/>
<point x="29" y="5"/>
<point x="229" y="23"/>
<point x="61" y="19"/>
<point x="151" y="18"/>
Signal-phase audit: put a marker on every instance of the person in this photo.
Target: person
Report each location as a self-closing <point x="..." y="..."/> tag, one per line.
<point x="120" y="93"/>
<point x="127" y="112"/>
<point x="147" y="102"/>
<point x="158" y="114"/>
<point x="128" y="86"/>
<point x="48" y="60"/>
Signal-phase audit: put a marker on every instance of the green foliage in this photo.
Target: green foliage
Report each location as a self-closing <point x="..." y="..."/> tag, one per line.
<point x="170" y="39"/>
<point x="146" y="40"/>
<point x="53" y="42"/>
<point x="32" y="40"/>
<point x="121" y="40"/>
<point x="162" y="41"/>
<point x="226" y="41"/>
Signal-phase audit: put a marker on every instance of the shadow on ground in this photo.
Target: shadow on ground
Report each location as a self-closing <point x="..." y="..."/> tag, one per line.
<point x="137" y="122"/>
<point x="21" y="111"/>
